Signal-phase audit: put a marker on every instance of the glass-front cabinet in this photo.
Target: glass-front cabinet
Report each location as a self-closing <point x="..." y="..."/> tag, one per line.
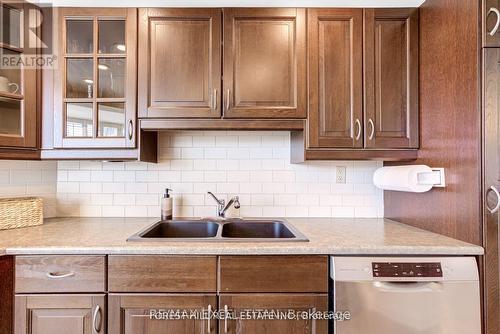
<point x="19" y="46"/>
<point x="95" y="103"/>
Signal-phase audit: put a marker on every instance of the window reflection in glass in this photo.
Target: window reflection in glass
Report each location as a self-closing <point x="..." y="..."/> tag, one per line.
<point x="79" y="120"/>
<point x="79" y="36"/>
<point x="11" y="26"/>
<point x="79" y="78"/>
<point x="112" y="77"/>
<point x="112" y="36"/>
<point x="111" y="118"/>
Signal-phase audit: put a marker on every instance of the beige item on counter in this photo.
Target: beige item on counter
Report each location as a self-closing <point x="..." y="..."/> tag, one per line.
<point x="20" y="212"/>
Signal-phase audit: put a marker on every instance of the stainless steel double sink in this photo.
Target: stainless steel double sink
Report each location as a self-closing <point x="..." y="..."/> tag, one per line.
<point x="242" y="230"/>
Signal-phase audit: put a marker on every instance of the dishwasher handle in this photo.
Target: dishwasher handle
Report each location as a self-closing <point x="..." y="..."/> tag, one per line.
<point x="407" y="286"/>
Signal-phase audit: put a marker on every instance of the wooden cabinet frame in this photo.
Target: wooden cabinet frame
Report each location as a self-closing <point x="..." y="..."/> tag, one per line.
<point x="88" y="311"/>
<point x="296" y="20"/>
<point x="129" y="139"/>
<point x="403" y="107"/>
<point x="30" y="84"/>
<point x="152" y="106"/>
<point x="349" y="133"/>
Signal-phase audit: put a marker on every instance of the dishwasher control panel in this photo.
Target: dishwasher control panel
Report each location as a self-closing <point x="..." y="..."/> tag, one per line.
<point x="407" y="269"/>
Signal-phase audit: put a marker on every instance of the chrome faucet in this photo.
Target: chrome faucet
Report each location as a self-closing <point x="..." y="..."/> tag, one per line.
<point x="221" y="204"/>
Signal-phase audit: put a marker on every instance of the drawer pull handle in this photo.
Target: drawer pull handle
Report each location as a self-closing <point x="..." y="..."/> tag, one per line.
<point x="225" y="318"/>
<point x="497" y="194"/>
<point x="60" y="275"/>
<point x="95" y="323"/>
<point x="358" y="127"/>
<point x="214" y="100"/>
<point x="209" y="330"/>
<point x="228" y="99"/>
<point x="372" y="129"/>
<point x="497" y="24"/>
<point x="130" y="129"/>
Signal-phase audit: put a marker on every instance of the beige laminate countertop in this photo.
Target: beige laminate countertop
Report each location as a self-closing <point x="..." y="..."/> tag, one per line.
<point x="326" y="236"/>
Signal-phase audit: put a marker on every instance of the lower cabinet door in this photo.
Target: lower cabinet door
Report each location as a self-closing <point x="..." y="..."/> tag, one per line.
<point x="273" y="314"/>
<point x="61" y="314"/>
<point x="161" y="313"/>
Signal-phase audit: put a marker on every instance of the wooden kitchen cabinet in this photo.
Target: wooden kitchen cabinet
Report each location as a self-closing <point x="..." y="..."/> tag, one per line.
<point x="19" y="83"/>
<point x="391" y="78"/>
<point x="131" y="313"/>
<point x="95" y="84"/>
<point x="48" y="314"/>
<point x="363" y="86"/>
<point x="264" y="63"/>
<point x="335" y="46"/>
<point x="491" y="23"/>
<point x="180" y="63"/>
<point x="491" y="186"/>
<point x="292" y="304"/>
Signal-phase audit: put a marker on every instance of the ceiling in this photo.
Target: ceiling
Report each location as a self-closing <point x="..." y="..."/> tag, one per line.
<point x="229" y="3"/>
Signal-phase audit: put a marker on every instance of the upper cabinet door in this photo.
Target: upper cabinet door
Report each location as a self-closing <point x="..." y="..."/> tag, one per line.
<point x="19" y="81"/>
<point x="335" y="42"/>
<point x="391" y="78"/>
<point x="95" y="89"/>
<point x="491" y="23"/>
<point x="179" y="63"/>
<point x="264" y="63"/>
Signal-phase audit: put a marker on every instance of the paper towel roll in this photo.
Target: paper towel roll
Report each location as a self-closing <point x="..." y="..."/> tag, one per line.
<point x="401" y="178"/>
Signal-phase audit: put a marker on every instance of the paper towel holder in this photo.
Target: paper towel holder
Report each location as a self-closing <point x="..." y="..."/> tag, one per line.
<point x="435" y="178"/>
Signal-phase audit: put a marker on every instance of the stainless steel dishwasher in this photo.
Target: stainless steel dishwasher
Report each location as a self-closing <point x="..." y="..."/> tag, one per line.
<point x="405" y="295"/>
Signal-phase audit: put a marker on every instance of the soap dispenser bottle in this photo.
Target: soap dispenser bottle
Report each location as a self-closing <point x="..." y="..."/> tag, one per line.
<point x="166" y="205"/>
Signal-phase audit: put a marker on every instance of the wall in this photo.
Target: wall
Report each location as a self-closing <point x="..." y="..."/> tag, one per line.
<point x="450" y="131"/>
<point x="30" y="178"/>
<point x="254" y="165"/>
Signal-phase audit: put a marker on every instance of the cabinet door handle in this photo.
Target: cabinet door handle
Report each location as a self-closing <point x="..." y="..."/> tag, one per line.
<point x="497" y="24"/>
<point x="214" y="99"/>
<point x="228" y="99"/>
<point x="225" y="319"/>
<point x="95" y="323"/>
<point x="209" y="309"/>
<point x="497" y="206"/>
<point x="358" y="131"/>
<point x="60" y="275"/>
<point x="130" y="129"/>
<point x="372" y="129"/>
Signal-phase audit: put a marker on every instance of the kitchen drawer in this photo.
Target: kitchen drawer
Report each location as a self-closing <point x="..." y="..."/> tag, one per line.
<point x="273" y="274"/>
<point x="162" y="273"/>
<point x="60" y="273"/>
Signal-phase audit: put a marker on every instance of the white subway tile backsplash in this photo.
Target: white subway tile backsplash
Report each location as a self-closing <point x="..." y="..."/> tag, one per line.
<point x="252" y="164"/>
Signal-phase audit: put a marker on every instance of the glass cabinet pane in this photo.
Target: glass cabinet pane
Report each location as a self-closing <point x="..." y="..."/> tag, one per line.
<point x="111" y="77"/>
<point x="10" y="116"/>
<point x="10" y="76"/>
<point x="112" y="36"/>
<point x="79" y="36"/>
<point x="11" y="26"/>
<point x="111" y="118"/>
<point x="79" y="120"/>
<point x="79" y="78"/>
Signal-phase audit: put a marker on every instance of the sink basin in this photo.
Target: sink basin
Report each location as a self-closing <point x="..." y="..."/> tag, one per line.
<point x="179" y="230"/>
<point x="271" y="229"/>
<point x="241" y="230"/>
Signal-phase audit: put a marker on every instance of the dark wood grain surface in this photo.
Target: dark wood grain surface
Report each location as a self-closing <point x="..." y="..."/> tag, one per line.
<point x="450" y="135"/>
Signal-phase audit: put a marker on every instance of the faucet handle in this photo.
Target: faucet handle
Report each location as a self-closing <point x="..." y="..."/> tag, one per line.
<point x="237" y="204"/>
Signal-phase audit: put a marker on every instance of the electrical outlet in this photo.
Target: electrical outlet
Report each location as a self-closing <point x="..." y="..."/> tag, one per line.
<point x="341" y="171"/>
